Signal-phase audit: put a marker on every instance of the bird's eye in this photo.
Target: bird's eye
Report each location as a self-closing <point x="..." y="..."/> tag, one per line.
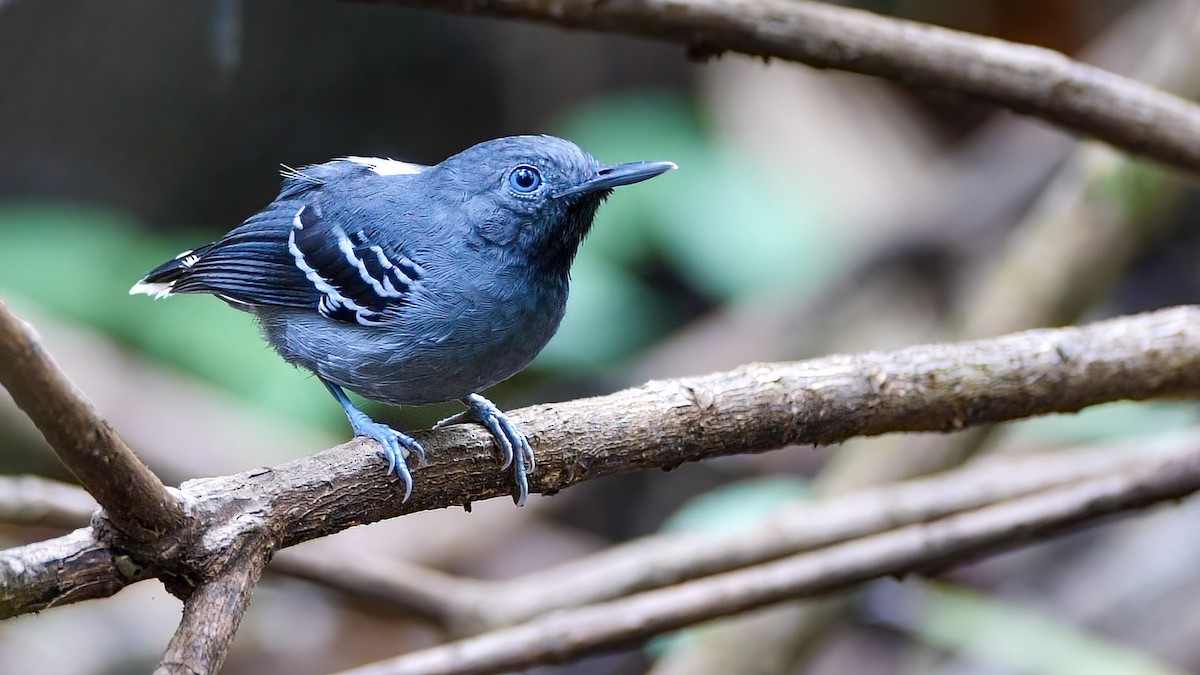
<point x="525" y="179"/>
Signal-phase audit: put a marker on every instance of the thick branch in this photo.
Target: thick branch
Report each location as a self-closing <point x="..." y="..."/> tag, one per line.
<point x="61" y="571"/>
<point x="751" y="409"/>
<point x="1032" y="80"/>
<point x="134" y="498"/>
<point x="568" y="634"/>
<point x="212" y="613"/>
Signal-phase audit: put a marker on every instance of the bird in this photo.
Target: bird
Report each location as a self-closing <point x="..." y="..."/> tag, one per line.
<point x="410" y="284"/>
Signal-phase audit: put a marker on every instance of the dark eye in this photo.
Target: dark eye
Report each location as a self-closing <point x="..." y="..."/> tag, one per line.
<point x="525" y="179"/>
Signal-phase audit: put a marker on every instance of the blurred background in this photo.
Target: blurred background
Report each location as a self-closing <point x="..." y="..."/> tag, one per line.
<point x="813" y="212"/>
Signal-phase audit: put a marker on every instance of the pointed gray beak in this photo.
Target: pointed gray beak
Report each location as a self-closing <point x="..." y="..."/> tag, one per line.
<point x="609" y="177"/>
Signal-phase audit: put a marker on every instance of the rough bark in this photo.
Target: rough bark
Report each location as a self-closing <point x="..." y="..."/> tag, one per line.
<point x="663" y="424"/>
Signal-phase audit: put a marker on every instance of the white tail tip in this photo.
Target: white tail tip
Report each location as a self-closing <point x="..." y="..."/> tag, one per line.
<point x="158" y="291"/>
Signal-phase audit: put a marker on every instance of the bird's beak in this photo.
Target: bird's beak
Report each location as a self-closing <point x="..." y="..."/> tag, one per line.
<point x="609" y="177"/>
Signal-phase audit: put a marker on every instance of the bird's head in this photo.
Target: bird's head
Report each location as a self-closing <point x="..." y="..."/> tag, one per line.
<point x="536" y="195"/>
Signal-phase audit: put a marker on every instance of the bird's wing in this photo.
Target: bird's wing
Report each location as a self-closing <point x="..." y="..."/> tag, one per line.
<point x="290" y="255"/>
<point x="356" y="278"/>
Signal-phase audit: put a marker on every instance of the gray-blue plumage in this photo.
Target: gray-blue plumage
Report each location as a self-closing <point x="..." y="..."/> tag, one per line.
<point x="409" y="284"/>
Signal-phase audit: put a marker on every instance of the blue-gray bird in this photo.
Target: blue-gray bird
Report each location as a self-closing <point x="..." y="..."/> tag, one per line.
<point x="412" y="284"/>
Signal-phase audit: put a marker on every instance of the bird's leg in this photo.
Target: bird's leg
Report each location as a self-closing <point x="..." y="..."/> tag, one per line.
<point x="393" y="442"/>
<point x="508" y="437"/>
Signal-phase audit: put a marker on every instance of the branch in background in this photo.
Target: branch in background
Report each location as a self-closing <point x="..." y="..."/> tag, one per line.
<point x="448" y="600"/>
<point x="469" y="605"/>
<point x="751" y="409"/>
<point x="1028" y="79"/>
<point x="569" y="634"/>
<point x="133" y="497"/>
<point x="33" y="500"/>
<point x="663" y="560"/>
<point x="212" y="613"/>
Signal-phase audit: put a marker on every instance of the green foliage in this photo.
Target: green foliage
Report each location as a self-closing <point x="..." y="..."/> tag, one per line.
<point x="1137" y="190"/>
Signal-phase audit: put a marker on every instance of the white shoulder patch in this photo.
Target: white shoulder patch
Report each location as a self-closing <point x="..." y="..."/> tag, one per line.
<point x="387" y="167"/>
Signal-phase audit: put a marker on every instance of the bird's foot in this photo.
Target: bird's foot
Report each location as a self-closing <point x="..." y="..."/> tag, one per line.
<point x="514" y="447"/>
<point x="395" y="446"/>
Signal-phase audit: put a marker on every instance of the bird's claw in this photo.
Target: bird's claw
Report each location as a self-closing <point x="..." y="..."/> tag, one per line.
<point x="512" y="442"/>
<point x="395" y="445"/>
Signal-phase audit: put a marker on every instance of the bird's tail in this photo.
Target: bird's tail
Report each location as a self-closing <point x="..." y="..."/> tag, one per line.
<point x="160" y="282"/>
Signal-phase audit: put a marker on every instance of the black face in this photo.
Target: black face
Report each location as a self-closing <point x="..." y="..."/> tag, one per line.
<point x="538" y="194"/>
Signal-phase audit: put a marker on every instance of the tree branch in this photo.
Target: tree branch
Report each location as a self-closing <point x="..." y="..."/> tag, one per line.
<point x="1028" y="79"/>
<point x="212" y="613"/>
<point x="470" y="606"/>
<point x="133" y="497"/>
<point x="68" y="569"/>
<point x="569" y="634"/>
<point x="755" y="408"/>
<point x="368" y="576"/>
<point x="663" y="560"/>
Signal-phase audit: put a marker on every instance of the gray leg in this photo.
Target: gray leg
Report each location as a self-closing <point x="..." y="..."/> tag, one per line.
<point x="513" y="444"/>
<point x="393" y="442"/>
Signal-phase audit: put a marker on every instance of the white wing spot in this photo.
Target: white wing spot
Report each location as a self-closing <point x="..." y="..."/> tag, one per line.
<point x="386" y="167"/>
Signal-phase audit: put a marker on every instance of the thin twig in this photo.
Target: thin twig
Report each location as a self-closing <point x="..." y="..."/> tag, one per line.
<point x="571" y="633"/>
<point x="959" y="217"/>
<point x="1032" y="80"/>
<point x="446" y="599"/>
<point x="133" y="497"/>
